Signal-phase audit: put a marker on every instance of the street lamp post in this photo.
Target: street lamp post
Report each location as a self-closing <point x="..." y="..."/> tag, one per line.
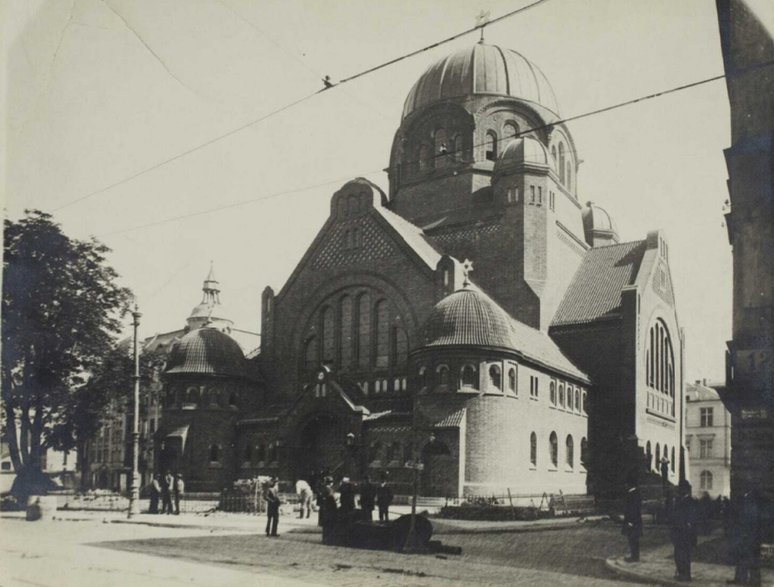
<point x="134" y="488"/>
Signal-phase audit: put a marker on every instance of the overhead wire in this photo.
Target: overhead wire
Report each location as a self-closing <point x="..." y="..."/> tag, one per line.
<point x="291" y="105"/>
<point x="520" y="133"/>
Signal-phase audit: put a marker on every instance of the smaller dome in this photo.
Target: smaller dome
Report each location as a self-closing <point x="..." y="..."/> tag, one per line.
<point x="598" y="226"/>
<point x="468" y="317"/>
<point x="522" y="150"/>
<point x="206" y="351"/>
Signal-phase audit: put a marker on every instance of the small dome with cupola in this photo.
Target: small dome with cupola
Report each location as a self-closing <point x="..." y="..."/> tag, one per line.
<point x="598" y="226"/>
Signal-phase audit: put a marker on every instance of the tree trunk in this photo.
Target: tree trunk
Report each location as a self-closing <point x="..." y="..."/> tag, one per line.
<point x="10" y="433"/>
<point x="83" y="463"/>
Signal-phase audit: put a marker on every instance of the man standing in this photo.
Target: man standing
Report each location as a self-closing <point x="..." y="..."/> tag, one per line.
<point x="367" y="498"/>
<point x="346" y="496"/>
<point x="304" y="492"/>
<point x="272" y="508"/>
<point x="327" y="511"/>
<point x="384" y="499"/>
<point x="178" y="491"/>
<point x="683" y="531"/>
<point x="155" y="495"/>
<point x="746" y="542"/>
<point x="664" y="471"/>
<point x="632" y="520"/>
<point x="166" y="493"/>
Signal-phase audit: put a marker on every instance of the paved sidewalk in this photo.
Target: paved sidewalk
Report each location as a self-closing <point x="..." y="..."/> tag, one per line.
<point x="255" y="524"/>
<point x="658" y="566"/>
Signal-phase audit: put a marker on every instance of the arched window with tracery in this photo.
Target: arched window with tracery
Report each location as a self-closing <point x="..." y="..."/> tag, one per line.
<point x="660" y="362"/>
<point x="468" y="376"/>
<point x="553" y="449"/>
<point x="570" y="451"/>
<point x="328" y="336"/>
<point x="490" y="146"/>
<point x="347" y="342"/>
<point x="364" y="331"/>
<point x="533" y="449"/>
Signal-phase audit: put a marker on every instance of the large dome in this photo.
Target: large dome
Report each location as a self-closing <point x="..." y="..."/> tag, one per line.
<point x="207" y="351"/>
<point x="481" y="69"/>
<point x="468" y="317"/>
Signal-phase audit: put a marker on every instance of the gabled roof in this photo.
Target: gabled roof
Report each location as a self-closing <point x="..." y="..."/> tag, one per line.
<point x="595" y="291"/>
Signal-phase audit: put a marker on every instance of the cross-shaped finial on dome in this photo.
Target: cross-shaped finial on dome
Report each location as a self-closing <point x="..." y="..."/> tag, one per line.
<point x="467" y="267"/>
<point x="482" y="19"/>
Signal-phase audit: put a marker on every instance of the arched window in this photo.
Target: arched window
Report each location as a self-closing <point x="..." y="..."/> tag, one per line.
<point x="443" y="375"/>
<point x="561" y="395"/>
<point x="584" y="405"/>
<point x="364" y="331"/>
<point x="533" y="449"/>
<point x="425" y="156"/>
<point x="422" y="377"/>
<point x="458" y="154"/>
<point x="660" y="367"/>
<point x="347" y="342"/>
<point x="214" y="453"/>
<point x="310" y="354"/>
<point x="672" y="461"/>
<point x="553" y="154"/>
<point x="495" y="377"/>
<point x="568" y="176"/>
<point x="552" y="393"/>
<point x="441" y="148"/>
<point x="577" y="399"/>
<point x="569" y="398"/>
<point x="491" y="146"/>
<point x="570" y="451"/>
<point x="511" y="130"/>
<point x="553" y="449"/>
<point x="468" y="376"/>
<point x="382" y="334"/>
<point x="400" y="346"/>
<point x="512" y="380"/>
<point x="705" y="481"/>
<point x="377" y="386"/>
<point x="648" y="454"/>
<point x="658" y="456"/>
<point x="584" y="455"/>
<point x="561" y="163"/>
<point x="328" y="336"/>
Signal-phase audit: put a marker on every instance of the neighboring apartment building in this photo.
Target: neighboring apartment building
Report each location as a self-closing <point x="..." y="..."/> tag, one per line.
<point x="707" y="440"/>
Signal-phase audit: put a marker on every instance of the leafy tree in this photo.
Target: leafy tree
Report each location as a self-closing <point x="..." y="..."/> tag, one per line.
<point x="61" y="311"/>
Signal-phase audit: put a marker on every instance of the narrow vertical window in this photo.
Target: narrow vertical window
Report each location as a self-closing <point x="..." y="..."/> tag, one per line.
<point x="364" y="331"/>
<point x="468" y="376"/>
<point x="512" y="380"/>
<point x="561" y="163"/>
<point x="553" y="447"/>
<point x="495" y="379"/>
<point x="533" y="449"/>
<point x="491" y="146"/>
<point x="570" y="451"/>
<point x="347" y="341"/>
<point x="382" y="334"/>
<point x="328" y="336"/>
<point x="400" y="343"/>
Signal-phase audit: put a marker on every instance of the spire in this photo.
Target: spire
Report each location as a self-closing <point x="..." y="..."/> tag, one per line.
<point x="210" y="287"/>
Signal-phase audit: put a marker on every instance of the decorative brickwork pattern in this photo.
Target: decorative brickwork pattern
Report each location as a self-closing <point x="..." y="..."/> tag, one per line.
<point x="354" y="242"/>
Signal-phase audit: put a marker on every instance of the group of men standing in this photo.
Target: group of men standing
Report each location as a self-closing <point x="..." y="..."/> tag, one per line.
<point x="165" y="489"/>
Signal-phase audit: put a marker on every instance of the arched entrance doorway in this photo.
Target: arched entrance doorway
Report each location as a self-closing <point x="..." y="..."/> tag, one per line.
<point x="321" y="445"/>
<point x="439" y="476"/>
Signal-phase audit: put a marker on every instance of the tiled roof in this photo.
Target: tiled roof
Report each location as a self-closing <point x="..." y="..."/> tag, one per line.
<point x="453" y="420"/>
<point x="595" y="291"/>
<point x="207" y="351"/>
<point x="468" y="317"/>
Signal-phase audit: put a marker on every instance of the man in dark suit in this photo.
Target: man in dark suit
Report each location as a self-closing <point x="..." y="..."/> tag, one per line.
<point x="367" y="498"/>
<point x="272" y="507"/>
<point x="683" y="531"/>
<point x="632" y="520"/>
<point x="346" y="496"/>
<point x="384" y="497"/>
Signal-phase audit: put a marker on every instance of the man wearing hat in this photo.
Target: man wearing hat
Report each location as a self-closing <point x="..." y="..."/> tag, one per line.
<point x="272" y="507"/>
<point x="346" y="496"/>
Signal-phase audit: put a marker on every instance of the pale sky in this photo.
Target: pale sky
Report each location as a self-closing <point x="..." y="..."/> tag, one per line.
<point x="99" y="90"/>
